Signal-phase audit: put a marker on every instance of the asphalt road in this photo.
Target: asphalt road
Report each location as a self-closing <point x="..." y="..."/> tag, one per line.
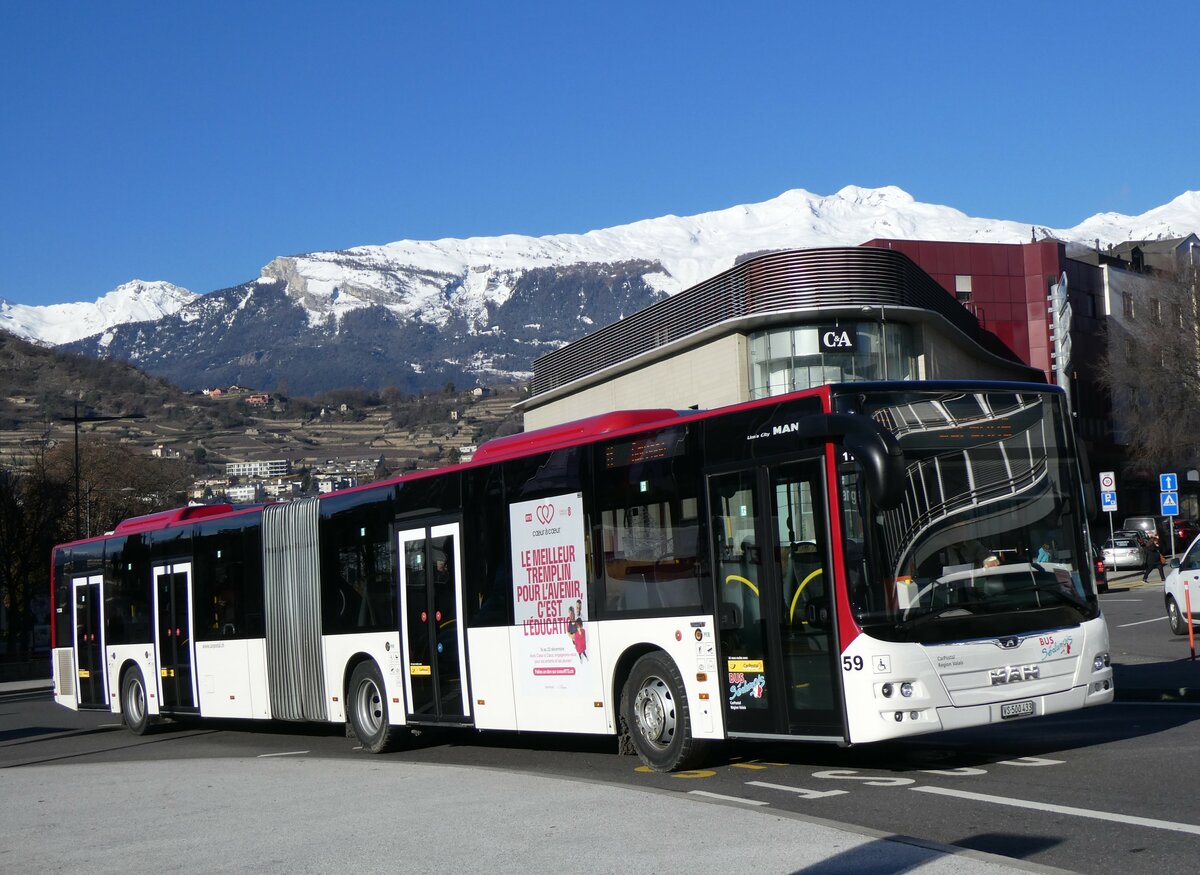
<point x="1101" y="791"/>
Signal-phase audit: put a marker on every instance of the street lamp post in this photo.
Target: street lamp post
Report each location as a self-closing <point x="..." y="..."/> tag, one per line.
<point x="76" y="419"/>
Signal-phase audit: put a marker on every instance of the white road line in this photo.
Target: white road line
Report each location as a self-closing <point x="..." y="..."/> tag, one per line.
<point x="286" y="753"/>
<point x="1136" y="601"/>
<point x="727" y="798"/>
<point x="1130" y="819"/>
<point x="1140" y="622"/>
<point x="800" y="791"/>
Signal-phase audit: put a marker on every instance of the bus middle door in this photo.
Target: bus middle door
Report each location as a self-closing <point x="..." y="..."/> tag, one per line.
<point x="775" y="610"/>
<point x="434" y="649"/>
<point x="173" y="636"/>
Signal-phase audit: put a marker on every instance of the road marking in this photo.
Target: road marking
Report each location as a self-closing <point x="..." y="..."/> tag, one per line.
<point x="286" y="753"/>
<point x="1030" y="761"/>
<point x="1136" y="601"/>
<point x="727" y="798"/>
<point x="1129" y="819"/>
<point x="800" y="791"/>
<point x="1141" y="622"/>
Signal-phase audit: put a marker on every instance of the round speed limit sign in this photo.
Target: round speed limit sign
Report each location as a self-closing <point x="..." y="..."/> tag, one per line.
<point x="1108" y="481"/>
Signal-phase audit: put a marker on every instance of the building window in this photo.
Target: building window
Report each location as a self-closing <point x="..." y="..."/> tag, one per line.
<point x="789" y="359"/>
<point x="1155" y="310"/>
<point x="1127" y="305"/>
<point x="962" y="288"/>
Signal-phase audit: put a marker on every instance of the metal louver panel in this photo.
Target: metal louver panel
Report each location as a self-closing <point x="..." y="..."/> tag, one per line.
<point x="292" y="578"/>
<point x="803" y="279"/>
<point x="64" y="671"/>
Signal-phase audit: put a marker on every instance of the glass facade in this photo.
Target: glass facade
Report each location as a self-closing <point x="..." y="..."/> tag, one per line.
<point x="792" y="358"/>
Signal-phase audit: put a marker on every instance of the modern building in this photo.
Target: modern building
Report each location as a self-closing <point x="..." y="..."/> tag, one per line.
<point x="261" y="469"/>
<point x="772" y="324"/>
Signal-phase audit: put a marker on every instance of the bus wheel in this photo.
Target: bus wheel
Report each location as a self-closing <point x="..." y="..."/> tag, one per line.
<point x="133" y="702"/>
<point x="1175" y="617"/>
<point x="656" y="711"/>
<point x="368" y="710"/>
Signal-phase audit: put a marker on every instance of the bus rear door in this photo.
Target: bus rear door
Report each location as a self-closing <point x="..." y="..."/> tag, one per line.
<point x="777" y="648"/>
<point x="91" y="688"/>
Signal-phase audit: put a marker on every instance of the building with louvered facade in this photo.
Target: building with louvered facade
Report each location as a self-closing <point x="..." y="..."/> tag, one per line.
<point x="774" y="323"/>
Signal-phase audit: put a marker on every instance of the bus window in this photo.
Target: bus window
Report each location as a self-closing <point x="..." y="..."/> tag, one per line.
<point x="488" y="576"/>
<point x="650" y="524"/>
<point x="227" y="579"/>
<point x="358" y="586"/>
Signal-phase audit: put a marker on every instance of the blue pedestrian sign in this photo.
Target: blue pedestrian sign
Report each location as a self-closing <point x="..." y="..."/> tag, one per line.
<point x="1169" y="503"/>
<point x="1108" y="502"/>
<point x="1168" y="483"/>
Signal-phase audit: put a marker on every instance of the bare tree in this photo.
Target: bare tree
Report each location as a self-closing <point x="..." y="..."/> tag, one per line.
<point x="33" y="517"/>
<point x="1152" y="368"/>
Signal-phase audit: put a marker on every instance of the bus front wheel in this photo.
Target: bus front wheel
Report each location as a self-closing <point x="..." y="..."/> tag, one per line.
<point x="368" y="710"/>
<point x="655" y="709"/>
<point x="133" y="702"/>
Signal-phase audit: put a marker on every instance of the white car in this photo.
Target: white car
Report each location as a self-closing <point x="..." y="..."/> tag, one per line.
<point x="1185" y="569"/>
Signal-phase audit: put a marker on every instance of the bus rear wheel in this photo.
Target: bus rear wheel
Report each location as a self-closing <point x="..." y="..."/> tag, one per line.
<point x="655" y="710"/>
<point x="133" y="702"/>
<point x="368" y="709"/>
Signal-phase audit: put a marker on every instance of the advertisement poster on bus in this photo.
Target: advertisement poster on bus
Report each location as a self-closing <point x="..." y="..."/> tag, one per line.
<point x="549" y="566"/>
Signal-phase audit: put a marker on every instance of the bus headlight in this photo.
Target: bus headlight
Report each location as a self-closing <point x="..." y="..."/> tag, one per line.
<point x="906" y="690"/>
<point x="886" y="689"/>
<point x="1101" y="662"/>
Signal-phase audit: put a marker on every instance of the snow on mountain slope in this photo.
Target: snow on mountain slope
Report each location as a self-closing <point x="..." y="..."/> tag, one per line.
<point x="135" y="301"/>
<point x="431" y="280"/>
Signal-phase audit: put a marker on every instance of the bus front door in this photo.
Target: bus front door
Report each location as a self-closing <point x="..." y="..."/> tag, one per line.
<point x="434" y="647"/>
<point x="91" y="686"/>
<point x="173" y="636"/>
<point x="777" y="648"/>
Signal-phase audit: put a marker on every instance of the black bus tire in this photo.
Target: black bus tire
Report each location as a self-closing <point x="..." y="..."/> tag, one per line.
<point x="367" y="709"/>
<point x="1175" y="617"/>
<point x="133" y="702"/>
<point x="655" y="709"/>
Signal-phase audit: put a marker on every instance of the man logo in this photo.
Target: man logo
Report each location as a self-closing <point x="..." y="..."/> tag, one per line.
<point x="839" y="340"/>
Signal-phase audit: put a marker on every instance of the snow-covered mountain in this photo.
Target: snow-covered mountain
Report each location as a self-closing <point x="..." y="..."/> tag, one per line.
<point x="417" y="314"/>
<point x="135" y="301"/>
<point x="429" y="280"/>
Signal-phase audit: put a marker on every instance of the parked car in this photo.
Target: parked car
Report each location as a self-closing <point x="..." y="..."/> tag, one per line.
<point x="1120" y="553"/>
<point x="1147" y="525"/>
<point x="1183" y="570"/>
<point x="1185" y="531"/>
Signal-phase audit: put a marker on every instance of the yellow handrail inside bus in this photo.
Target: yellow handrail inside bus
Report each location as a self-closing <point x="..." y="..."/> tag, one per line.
<point x="741" y="579"/>
<point x="800" y="589"/>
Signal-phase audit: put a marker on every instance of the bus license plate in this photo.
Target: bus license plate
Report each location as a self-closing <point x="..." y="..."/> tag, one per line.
<point x="1016" y="709"/>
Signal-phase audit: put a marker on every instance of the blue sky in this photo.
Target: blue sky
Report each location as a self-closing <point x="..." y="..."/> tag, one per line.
<point x="195" y="142"/>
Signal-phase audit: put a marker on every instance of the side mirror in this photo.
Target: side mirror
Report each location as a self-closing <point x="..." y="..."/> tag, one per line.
<point x="1174" y="563"/>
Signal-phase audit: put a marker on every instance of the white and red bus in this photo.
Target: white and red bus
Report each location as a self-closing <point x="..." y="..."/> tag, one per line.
<point x="848" y="564"/>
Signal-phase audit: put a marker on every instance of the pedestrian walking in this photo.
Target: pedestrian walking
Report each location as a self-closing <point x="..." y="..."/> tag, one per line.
<point x="1154" y="559"/>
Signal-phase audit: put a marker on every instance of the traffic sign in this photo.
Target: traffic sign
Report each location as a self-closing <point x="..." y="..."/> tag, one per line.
<point x="1169" y="503"/>
<point x="1108" y="502"/>
<point x="1108" y="481"/>
<point x="1168" y="483"/>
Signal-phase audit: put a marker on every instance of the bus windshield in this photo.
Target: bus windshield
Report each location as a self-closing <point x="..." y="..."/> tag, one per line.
<point x="989" y="539"/>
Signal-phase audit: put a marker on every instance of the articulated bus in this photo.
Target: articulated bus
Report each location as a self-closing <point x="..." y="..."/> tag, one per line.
<point x="848" y="564"/>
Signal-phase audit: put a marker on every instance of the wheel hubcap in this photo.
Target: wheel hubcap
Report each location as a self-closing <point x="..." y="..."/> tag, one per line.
<point x="135" y="703"/>
<point x="370" y="706"/>
<point x="654" y="712"/>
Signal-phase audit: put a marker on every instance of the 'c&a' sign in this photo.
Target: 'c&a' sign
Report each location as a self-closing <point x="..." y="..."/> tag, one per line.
<point x="838" y="339"/>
